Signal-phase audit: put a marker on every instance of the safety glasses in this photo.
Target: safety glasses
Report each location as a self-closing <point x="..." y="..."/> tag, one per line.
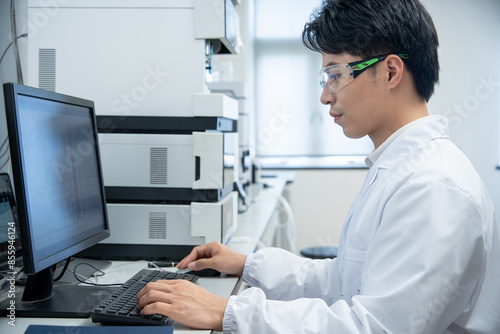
<point x="337" y="76"/>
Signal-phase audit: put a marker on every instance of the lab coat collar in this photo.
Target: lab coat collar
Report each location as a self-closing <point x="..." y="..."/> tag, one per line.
<point x="413" y="135"/>
<point x="408" y="137"/>
<point x="370" y="160"/>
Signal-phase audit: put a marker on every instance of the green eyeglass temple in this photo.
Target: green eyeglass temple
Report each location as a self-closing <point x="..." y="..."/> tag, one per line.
<point x="359" y="66"/>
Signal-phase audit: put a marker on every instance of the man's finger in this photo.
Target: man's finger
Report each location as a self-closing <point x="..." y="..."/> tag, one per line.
<point x="157" y="308"/>
<point x="203" y="251"/>
<point x="201" y="264"/>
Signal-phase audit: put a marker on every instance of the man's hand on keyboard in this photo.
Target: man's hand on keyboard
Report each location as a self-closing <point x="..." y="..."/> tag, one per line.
<point x="183" y="302"/>
<point x="214" y="256"/>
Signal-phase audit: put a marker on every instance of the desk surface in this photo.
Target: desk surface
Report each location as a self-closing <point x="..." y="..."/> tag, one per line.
<point x="251" y="226"/>
<point x="120" y="272"/>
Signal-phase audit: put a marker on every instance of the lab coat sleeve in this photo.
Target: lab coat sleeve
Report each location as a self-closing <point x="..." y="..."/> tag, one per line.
<point x="414" y="281"/>
<point x="280" y="274"/>
<point x="251" y="312"/>
<point x="298" y="276"/>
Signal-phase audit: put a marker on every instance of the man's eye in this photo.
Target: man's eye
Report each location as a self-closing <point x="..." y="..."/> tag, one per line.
<point x="333" y="76"/>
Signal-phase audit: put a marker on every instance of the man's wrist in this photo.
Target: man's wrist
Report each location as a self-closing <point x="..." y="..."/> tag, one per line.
<point x="219" y="314"/>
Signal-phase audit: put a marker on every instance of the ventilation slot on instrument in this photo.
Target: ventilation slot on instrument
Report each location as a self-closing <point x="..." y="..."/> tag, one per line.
<point x="197" y="170"/>
<point x="157" y="225"/>
<point x="47" y="69"/>
<point x="158" y="165"/>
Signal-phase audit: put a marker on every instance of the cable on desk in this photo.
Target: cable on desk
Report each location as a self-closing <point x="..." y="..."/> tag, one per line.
<point x="100" y="274"/>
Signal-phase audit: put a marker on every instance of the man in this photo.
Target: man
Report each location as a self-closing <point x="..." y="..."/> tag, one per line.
<point x="420" y="248"/>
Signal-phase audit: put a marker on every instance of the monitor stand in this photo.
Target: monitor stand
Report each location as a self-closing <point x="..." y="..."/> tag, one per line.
<point x="42" y="299"/>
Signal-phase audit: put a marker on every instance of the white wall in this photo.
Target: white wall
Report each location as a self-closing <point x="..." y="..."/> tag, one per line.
<point x="320" y="200"/>
<point x="469" y="94"/>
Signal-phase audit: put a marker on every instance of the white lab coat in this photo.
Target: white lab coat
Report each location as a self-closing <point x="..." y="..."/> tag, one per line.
<point x="419" y="253"/>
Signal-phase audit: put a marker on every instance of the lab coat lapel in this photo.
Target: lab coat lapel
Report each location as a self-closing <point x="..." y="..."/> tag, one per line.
<point x="369" y="180"/>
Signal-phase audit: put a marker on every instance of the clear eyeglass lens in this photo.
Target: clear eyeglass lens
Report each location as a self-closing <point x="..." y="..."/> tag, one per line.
<point x="335" y="77"/>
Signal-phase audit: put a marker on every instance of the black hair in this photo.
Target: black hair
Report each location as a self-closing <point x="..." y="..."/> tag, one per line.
<point x="369" y="28"/>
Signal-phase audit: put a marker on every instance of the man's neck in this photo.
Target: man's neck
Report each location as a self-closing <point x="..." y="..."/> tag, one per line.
<point x="401" y="117"/>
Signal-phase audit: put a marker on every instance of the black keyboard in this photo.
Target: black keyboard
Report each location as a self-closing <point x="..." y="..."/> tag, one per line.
<point x="121" y="307"/>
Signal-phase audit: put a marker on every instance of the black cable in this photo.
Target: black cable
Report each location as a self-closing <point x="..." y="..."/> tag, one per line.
<point x="101" y="273"/>
<point x="4" y="164"/>
<point x="4" y="151"/>
<point x="21" y="277"/>
<point x="64" y="270"/>
<point x="4" y="145"/>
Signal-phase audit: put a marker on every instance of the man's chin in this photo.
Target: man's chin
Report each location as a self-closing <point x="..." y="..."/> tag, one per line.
<point x="351" y="135"/>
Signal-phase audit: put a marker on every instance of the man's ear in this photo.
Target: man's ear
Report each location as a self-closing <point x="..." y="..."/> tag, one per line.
<point x="395" y="69"/>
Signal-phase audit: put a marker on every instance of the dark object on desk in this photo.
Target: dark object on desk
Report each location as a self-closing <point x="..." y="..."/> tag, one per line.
<point x="128" y="252"/>
<point x="44" y="329"/>
<point x="121" y="307"/>
<point x="163" y="264"/>
<point x="205" y="273"/>
<point x="326" y="252"/>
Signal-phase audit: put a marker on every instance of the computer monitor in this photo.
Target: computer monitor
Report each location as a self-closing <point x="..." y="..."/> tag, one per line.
<point x="59" y="190"/>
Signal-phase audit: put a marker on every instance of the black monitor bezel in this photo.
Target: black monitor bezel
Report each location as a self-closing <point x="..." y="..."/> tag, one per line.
<point x="11" y="93"/>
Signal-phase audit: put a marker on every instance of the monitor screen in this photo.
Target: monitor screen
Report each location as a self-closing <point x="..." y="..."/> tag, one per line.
<point x="57" y="175"/>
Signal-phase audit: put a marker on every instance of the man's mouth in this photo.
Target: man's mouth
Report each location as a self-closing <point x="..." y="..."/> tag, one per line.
<point x="336" y="116"/>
